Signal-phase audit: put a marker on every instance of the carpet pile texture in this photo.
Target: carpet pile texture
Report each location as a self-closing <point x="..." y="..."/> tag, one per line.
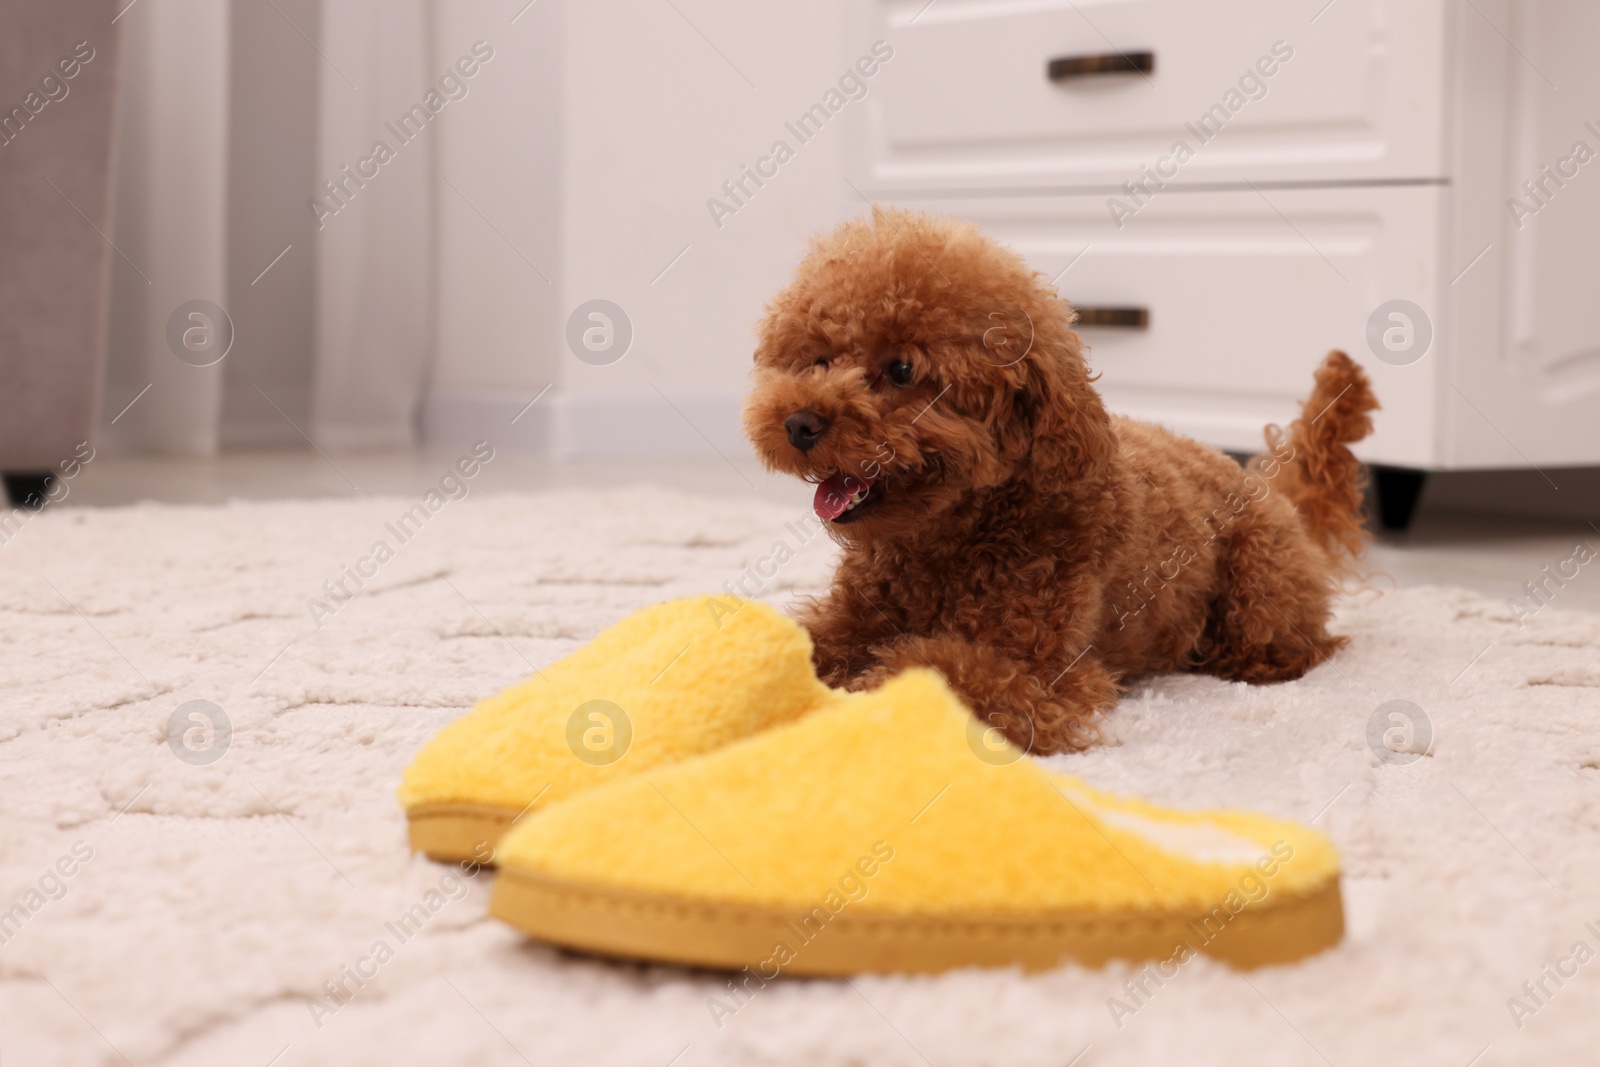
<point x="162" y="906"/>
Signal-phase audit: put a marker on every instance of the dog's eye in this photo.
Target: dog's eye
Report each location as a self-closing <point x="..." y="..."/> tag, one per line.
<point x="824" y="362"/>
<point x="900" y="372"/>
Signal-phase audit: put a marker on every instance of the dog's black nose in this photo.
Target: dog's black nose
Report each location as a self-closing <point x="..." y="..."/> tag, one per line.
<point x="804" y="427"/>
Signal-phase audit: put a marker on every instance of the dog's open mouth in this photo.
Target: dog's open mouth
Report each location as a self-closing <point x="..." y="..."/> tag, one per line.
<point x="845" y="497"/>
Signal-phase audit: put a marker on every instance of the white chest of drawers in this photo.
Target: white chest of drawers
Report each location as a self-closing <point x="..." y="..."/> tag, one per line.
<point x="1266" y="180"/>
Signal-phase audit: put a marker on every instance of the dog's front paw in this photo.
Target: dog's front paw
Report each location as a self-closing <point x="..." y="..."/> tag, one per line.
<point x="861" y="681"/>
<point x="840" y="666"/>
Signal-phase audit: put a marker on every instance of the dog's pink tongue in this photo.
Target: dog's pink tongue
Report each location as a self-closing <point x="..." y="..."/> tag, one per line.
<point x="833" y="496"/>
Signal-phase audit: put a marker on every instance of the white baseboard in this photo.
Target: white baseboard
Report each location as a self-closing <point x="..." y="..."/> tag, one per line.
<point x="364" y="436"/>
<point x="588" y="426"/>
<point x="459" y="418"/>
<point x="650" y="424"/>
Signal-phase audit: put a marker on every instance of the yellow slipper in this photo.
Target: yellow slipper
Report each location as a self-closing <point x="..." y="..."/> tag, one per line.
<point x="666" y="683"/>
<point x="890" y="832"/>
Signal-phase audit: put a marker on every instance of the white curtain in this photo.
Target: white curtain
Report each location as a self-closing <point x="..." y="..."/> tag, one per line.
<point x="170" y="220"/>
<point x="370" y="249"/>
<point x="374" y="266"/>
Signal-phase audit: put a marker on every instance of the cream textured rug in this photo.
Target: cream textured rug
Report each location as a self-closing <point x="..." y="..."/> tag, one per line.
<point x="160" y="909"/>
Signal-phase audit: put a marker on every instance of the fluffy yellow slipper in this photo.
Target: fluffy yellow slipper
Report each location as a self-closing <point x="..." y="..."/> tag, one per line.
<point x="667" y="682"/>
<point x="891" y="832"/>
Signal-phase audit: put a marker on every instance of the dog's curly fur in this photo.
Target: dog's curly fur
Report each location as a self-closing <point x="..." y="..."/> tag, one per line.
<point x="1033" y="548"/>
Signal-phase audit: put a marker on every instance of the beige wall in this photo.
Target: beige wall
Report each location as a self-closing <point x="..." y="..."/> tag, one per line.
<point x="646" y="112"/>
<point x="499" y="155"/>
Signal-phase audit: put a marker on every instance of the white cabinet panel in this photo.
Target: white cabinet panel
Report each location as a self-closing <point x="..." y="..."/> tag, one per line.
<point x="1245" y="294"/>
<point x="1524" y="385"/>
<point x="1441" y="152"/>
<point x="1253" y="88"/>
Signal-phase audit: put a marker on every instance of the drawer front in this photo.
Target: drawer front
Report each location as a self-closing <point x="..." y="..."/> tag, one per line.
<point x="1242" y="297"/>
<point x="1253" y="89"/>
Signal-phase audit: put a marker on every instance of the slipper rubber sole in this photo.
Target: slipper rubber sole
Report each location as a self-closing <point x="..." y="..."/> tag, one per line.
<point x="608" y="921"/>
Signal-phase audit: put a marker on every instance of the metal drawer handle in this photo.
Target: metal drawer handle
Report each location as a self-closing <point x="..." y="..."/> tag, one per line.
<point x="1064" y="67"/>
<point x="1115" y="318"/>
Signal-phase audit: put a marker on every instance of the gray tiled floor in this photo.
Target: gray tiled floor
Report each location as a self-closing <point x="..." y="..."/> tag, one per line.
<point x="1492" y="553"/>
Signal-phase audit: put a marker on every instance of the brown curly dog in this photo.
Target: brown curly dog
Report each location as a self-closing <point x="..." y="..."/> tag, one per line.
<point x="999" y="525"/>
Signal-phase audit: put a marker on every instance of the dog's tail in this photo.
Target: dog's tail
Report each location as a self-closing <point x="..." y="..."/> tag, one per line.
<point x="1323" y="478"/>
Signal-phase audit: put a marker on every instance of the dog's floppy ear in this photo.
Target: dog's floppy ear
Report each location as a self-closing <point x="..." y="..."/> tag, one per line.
<point x="1058" y="422"/>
